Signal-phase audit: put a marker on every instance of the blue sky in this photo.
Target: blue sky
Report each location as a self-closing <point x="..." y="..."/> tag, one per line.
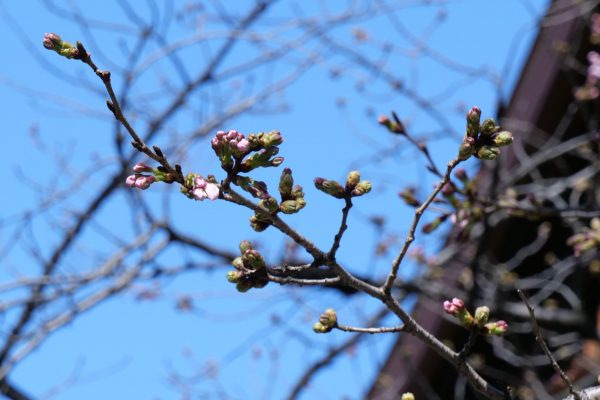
<point x="127" y="348"/>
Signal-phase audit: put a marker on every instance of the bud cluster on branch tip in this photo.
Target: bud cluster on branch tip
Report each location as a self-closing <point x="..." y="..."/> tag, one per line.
<point x="327" y="321"/>
<point x="53" y="42"/>
<point x="479" y="323"/>
<point x="482" y="140"/>
<point x="231" y="147"/>
<point x="395" y="126"/>
<point x="354" y="186"/>
<point x="587" y="239"/>
<point x="292" y="197"/>
<point x="199" y="188"/>
<point x="250" y="269"/>
<point x="407" y="396"/>
<point x="139" y="180"/>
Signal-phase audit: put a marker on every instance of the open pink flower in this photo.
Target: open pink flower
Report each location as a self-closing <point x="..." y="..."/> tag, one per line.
<point x="205" y="190"/>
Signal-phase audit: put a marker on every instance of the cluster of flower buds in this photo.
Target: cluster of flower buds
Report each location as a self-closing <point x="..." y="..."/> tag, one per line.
<point x="590" y="90"/>
<point x="53" y="42"/>
<point x="587" y="239"/>
<point x="354" y="186"/>
<point x="327" y="321"/>
<point x="482" y="140"/>
<point x="479" y="322"/>
<point x="231" y="147"/>
<point x="250" y="269"/>
<point x="292" y="196"/>
<point x="139" y="180"/>
<point x="198" y="188"/>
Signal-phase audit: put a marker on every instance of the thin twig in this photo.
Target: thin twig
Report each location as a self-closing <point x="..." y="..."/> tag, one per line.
<point x="382" y="329"/>
<point x="389" y="282"/>
<point x="539" y="338"/>
<point x="343" y="226"/>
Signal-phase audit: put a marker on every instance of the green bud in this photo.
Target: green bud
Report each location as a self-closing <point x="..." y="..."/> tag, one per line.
<point x="253" y="259"/>
<point x="234" y="276"/>
<point x="352" y="180"/>
<point x="363" y="187"/>
<point x="320" y="328"/>
<point x="261" y="159"/>
<point x="245" y="245"/>
<point x="433" y="225"/>
<point x="328" y="318"/>
<point x="270" y="204"/>
<point x="243" y="286"/>
<point x="257" y="224"/>
<point x="481" y="315"/>
<point x="238" y="263"/>
<point x="332" y="188"/>
<point x="297" y="192"/>
<point x="497" y="328"/>
<point x="473" y="116"/>
<point x="276" y="161"/>
<point x="292" y="206"/>
<point x="286" y="182"/>
<point x="488" y="127"/>
<point x="488" y="152"/>
<point x="466" y="149"/>
<point x="260" y="283"/>
<point x="408" y="195"/>
<point x="503" y="138"/>
<point x="271" y="139"/>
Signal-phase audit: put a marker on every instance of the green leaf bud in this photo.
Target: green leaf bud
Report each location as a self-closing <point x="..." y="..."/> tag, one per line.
<point x="352" y="180"/>
<point x="292" y="206"/>
<point x="488" y="152"/>
<point x="257" y="224"/>
<point x="488" y="127"/>
<point x="245" y="245"/>
<point x="234" y="276"/>
<point x="332" y="188"/>
<point x="363" y="187"/>
<point x="482" y="315"/>
<point x="286" y="182"/>
<point x="503" y="138"/>
<point x="238" y="264"/>
<point x="270" y="204"/>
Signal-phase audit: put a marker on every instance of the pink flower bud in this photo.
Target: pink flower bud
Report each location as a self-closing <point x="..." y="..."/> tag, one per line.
<point x="143" y="182"/>
<point x="232" y="135"/>
<point x="130" y="181"/>
<point x="243" y="145"/>
<point x="141" y="167"/>
<point x="454" y="307"/>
